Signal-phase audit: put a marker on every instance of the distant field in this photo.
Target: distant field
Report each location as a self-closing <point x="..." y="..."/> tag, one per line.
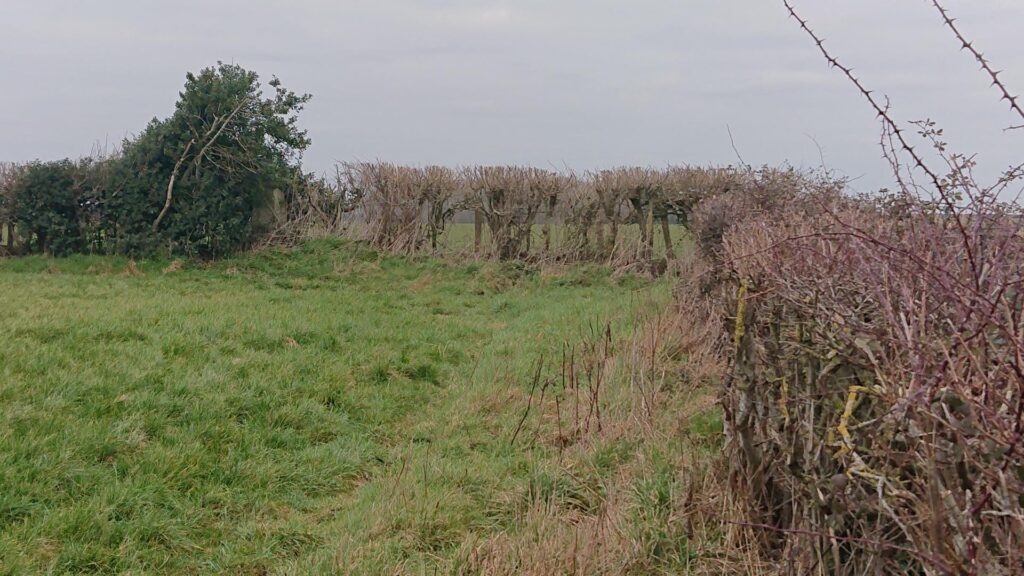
<point x="322" y="411"/>
<point x="459" y="237"/>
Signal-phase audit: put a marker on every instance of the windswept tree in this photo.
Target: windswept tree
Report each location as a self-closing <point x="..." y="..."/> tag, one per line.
<point x="191" y="183"/>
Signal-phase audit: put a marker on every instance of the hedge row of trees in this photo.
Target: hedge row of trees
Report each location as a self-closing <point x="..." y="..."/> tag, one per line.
<point x="145" y="200"/>
<point x="223" y="171"/>
<point x="528" y="212"/>
<point x="193" y="183"/>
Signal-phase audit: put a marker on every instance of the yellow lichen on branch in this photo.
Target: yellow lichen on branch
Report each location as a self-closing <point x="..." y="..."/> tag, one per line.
<point x="741" y="308"/>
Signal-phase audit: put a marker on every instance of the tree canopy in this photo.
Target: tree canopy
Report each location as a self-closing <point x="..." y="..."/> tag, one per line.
<point x="188" y="184"/>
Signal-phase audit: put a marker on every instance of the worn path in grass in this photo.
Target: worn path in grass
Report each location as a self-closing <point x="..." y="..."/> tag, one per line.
<point x="265" y="414"/>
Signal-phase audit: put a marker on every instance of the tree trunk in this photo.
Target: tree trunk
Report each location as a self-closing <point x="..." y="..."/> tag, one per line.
<point x="666" y="232"/>
<point x="649" y="233"/>
<point x="478" y="230"/>
<point x="641" y="223"/>
<point x="433" y="236"/>
<point x="548" y="216"/>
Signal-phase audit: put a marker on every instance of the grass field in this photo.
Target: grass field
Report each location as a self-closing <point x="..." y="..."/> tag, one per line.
<point x="326" y="410"/>
<point x="458" y="238"/>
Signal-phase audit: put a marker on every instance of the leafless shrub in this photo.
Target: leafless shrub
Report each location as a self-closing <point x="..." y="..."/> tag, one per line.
<point x="390" y="205"/>
<point x="735" y="196"/>
<point x="407" y="210"/>
<point x="875" y="407"/>
<point x="648" y="198"/>
<point x="579" y="210"/>
<point x="510" y="198"/>
<point x="877" y="387"/>
<point x="403" y="208"/>
<point x="443" y="194"/>
<point x="687" y="186"/>
<point x="314" y="208"/>
<point x="629" y="195"/>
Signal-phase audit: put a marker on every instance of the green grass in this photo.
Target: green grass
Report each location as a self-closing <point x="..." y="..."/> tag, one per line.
<point x="325" y="410"/>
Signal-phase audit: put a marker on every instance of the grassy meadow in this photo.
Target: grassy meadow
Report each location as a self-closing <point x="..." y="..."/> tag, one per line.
<point x="323" y="410"/>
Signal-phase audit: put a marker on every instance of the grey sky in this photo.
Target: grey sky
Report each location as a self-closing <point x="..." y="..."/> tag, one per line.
<point x="579" y="83"/>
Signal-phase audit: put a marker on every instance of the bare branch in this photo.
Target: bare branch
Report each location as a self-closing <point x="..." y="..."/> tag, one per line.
<point x="985" y="65"/>
<point x="170" y="185"/>
<point x="881" y="111"/>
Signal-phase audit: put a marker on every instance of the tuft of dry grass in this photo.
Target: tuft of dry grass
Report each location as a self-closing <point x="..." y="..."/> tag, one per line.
<point x="175" y="266"/>
<point x="131" y="270"/>
<point x="636" y="486"/>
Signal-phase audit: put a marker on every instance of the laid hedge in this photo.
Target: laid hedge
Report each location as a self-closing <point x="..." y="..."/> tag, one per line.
<point x="875" y="400"/>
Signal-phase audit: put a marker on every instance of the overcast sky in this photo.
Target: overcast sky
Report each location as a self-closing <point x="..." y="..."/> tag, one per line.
<point x="578" y="83"/>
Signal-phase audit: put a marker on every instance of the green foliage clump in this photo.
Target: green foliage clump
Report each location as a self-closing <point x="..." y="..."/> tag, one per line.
<point x="192" y="183"/>
<point x="194" y="180"/>
<point x="51" y="203"/>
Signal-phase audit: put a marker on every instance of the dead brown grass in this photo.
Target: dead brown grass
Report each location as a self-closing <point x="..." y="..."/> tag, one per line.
<point x="662" y="506"/>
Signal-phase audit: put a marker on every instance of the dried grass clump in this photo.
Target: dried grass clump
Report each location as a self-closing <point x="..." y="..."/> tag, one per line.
<point x="640" y="524"/>
<point x="659" y="507"/>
